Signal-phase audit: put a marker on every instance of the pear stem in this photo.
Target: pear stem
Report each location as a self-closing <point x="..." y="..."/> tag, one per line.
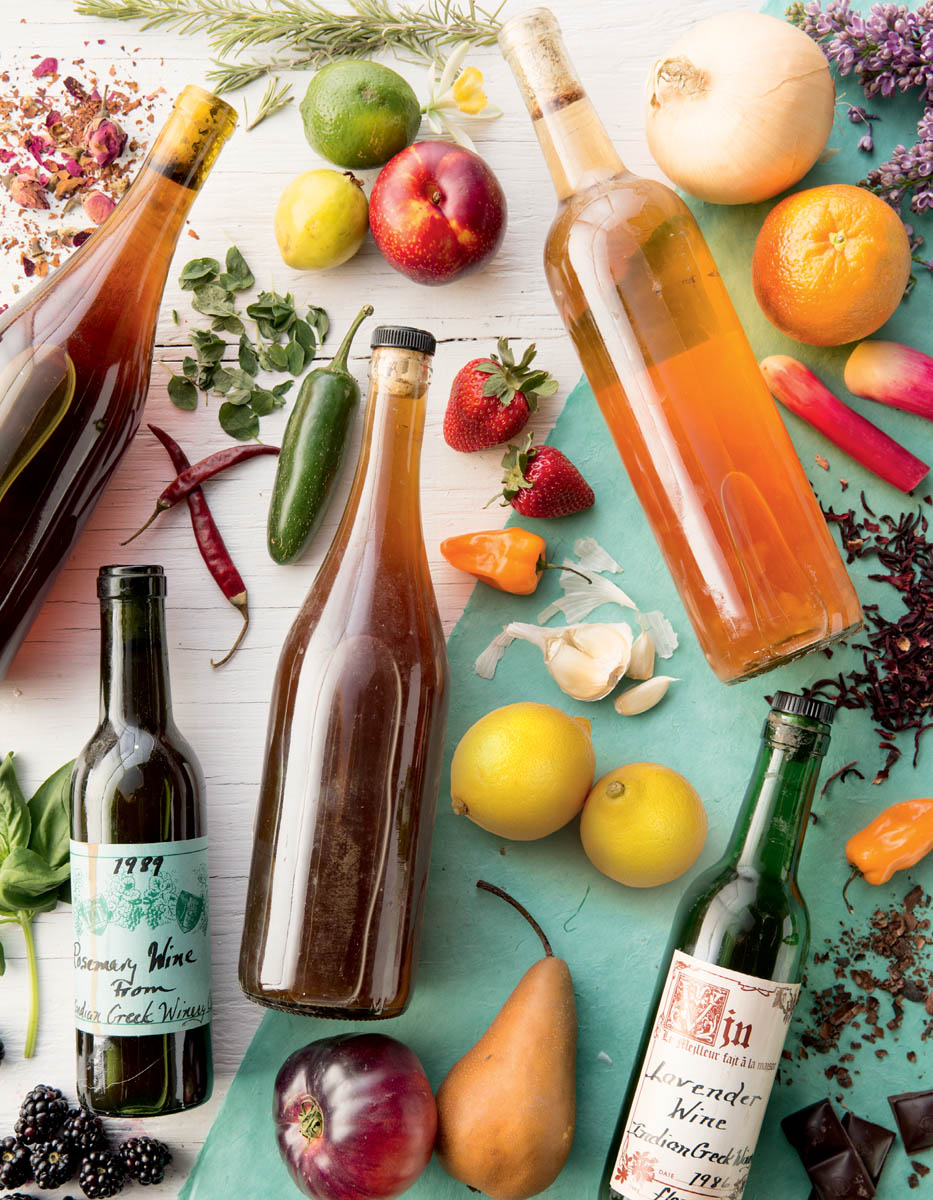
<point x="497" y="891"/>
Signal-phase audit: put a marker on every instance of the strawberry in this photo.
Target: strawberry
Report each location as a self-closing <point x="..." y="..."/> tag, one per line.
<point x="542" y="482"/>
<point x="492" y="398"/>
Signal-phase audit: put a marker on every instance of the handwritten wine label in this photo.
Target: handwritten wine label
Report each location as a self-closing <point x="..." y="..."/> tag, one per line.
<point x="141" y="942"/>
<point x="704" y="1084"/>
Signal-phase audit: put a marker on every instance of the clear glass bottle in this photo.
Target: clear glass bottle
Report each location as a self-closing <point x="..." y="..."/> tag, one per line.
<point x="75" y="358"/>
<point x="343" y="831"/>
<point x="679" y="387"/>
<point x="727" y="987"/>
<point x="139" y="874"/>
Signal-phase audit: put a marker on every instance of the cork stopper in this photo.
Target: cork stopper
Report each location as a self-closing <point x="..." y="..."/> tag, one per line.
<point x="533" y="46"/>
<point x="193" y="136"/>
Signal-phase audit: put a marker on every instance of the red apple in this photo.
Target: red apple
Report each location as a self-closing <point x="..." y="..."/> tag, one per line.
<point x="437" y="212"/>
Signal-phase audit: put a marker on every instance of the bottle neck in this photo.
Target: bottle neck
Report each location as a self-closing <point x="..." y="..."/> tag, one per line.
<point x="575" y="144"/>
<point x="134" y="678"/>
<point x="386" y="494"/>
<point x="768" y="835"/>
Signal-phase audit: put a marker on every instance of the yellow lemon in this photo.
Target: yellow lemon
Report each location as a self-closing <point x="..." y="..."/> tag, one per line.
<point x="523" y="770"/>
<point x="643" y="824"/>
<point x="321" y="219"/>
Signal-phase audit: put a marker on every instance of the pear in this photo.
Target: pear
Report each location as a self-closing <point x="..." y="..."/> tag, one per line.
<point x="506" y="1111"/>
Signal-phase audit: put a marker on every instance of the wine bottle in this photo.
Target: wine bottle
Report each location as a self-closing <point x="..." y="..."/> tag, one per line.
<point x="75" y="358"/>
<point x="727" y="989"/>
<point x="139" y="875"/>
<point x="678" y="384"/>
<point x="342" y="839"/>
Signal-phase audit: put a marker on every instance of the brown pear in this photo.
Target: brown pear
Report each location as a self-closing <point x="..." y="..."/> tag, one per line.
<point x="506" y="1111"/>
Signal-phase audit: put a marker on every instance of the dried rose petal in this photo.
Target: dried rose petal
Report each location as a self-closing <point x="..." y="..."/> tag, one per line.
<point x="81" y="237"/>
<point x="48" y="66"/>
<point x="38" y="144"/>
<point x="7" y="155"/>
<point x="97" y="207"/>
<point x="72" y="167"/>
<point x="53" y="118"/>
<point x="28" y="193"/>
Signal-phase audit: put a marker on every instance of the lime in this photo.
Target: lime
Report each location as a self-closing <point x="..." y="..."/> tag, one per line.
<point x="643" y="824"/>
<point x="321" y="219"/>
<point x="359" y="114"/>
<point x="523" y="770"/>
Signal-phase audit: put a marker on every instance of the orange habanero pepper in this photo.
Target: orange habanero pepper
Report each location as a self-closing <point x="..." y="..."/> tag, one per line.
<point x="897" y="838"/>
<point x="508" y="559"/>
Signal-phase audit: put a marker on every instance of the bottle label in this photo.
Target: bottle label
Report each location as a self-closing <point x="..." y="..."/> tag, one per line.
<point x="141" y="944"/>
<point x="704" y="1084"/>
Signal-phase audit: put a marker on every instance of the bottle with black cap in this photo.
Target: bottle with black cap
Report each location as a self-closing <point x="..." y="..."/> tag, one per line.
<point x="342" y="838"/>
<point x="728" y="985"/>
<point x="139" y="885"/>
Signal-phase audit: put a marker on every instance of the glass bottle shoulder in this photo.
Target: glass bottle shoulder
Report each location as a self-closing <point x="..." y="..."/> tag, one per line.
<point x="629" y="203"/>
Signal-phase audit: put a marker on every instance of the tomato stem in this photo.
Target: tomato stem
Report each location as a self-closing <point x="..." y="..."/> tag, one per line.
<point x="311" y="1120"/>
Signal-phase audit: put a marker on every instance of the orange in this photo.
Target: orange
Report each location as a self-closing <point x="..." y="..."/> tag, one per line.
<point x="830" y="264"/>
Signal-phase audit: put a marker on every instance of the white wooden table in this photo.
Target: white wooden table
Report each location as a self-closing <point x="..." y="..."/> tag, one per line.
<point x="48" y="702"/>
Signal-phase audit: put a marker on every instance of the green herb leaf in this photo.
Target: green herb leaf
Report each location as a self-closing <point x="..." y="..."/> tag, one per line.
<point x="273" y="313"/>
<point x="15" y="820"/>
<point x="280" y="390"/>
<point x="239" y="395"/>
<point x="189" y="367"/>
<point x="228" y="378"/>
<point x="198" y="271"/>
<point x="176" y="319"/>
<point x="319" y="320"/>
<point x="238" y="277"/>
<point x="229" y="324"/>
<point x="239" y="422"/>
<point x="2" y="960"/>
<point x="206" y="377"/>
<point x="208" y="346"/>
<point x="262" y="402"/>
<point x="278" y="357"/>
<point x="213" y="301"/>
<point x="28" y="883"/>
<point x="182" y="393"/>
<point x="50" y="809"/>
<point x="306" y="336"/>
<point x="248" y="358"/>
<point x="296" y="357"/>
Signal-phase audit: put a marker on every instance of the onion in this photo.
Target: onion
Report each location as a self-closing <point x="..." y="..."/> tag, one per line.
<point x="740" y="109"/>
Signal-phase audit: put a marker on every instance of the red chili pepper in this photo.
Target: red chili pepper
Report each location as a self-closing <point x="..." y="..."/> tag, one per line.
<point x="213" y="550"/>
<point x="186" y="481"/>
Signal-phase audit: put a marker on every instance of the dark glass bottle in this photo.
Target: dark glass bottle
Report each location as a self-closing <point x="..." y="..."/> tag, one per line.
<point x="727" y="987"/>
<point x="75" y="358"/>
<point x="139" y="875"/>
<point x="343" y="831"/>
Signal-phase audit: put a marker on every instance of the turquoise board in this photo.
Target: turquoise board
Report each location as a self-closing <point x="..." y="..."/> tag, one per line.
<point x="475" y="948"/>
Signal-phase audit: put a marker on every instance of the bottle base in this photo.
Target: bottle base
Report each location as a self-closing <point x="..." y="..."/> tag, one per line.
<point x="795" y="651"/>
<point x="328" y="1012"/>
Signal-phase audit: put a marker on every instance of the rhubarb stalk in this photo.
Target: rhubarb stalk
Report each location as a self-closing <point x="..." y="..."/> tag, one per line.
<point x="892" y="374"/>
<point x="798" y="389"/>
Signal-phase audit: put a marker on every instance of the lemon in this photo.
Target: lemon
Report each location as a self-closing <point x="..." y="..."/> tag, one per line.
<point x="523" y="770"/>
<point x="643" y="824"/>
<point x="360" y="114"/>
<point x="321" y="219"/>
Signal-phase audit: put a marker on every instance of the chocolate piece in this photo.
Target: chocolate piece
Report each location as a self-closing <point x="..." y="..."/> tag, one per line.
<point x="815" y="1132"/>
<point x="842" y="1177"/>
<point x="913" y="1112"/>
<point x="872" y="1143"/>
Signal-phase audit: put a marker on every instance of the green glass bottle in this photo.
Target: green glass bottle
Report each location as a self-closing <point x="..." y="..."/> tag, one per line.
<point x="139" y="875"/>
<point x="727" y="988"/>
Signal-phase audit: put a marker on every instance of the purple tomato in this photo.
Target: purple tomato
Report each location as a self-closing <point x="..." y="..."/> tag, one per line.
<point x="355" y="1117"/>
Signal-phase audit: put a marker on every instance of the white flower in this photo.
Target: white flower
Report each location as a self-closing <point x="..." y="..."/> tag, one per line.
<point x="457" y="98"/>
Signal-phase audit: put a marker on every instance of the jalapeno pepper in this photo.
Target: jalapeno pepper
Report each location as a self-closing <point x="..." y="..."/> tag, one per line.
<point x="897" y="838"/>
<point x="508" y="559"/>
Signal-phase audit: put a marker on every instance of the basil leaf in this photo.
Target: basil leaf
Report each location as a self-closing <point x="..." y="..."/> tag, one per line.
<point x="302" y="333"/>
<point x="239" y="422"/>
<point x="206" y="377"/>
<point x="27" y="882"/>
<point x="278" y="357"/>
<point x="262" y="402"/>
<point x="295" y="357"/>
<point x="238" y="395"/>
<point x="227" y="324"/>
<point x="280" y="389"/>
<point x="274" y="314"/>
<point x="231" y="377"/>
<point x="208" y="346"/>
<point x="247" y="356"/>
<point x="15" y="819"/>
<point x="319" y="320"/>
<point x="199" y="270"/>
<point x="213" y="301"/>
<point x="189" y="367"/>
<point x="50" y="809"/>
<point x="238" y="276"/>
<point x="182" y="393"/>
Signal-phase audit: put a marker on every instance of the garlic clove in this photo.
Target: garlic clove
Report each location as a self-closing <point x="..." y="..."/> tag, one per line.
<point x="642" y="696"/>
<point x="641" y="663"/>
<point x="577" y="674"/>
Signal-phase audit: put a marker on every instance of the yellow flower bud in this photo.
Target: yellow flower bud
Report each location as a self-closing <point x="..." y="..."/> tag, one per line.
<point x="468" y="91"/>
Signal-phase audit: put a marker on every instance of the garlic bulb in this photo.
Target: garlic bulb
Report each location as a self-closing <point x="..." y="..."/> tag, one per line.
<point x="642" y="696"/>
<point x="586" y="661"/>
<point x="740" y="109"/>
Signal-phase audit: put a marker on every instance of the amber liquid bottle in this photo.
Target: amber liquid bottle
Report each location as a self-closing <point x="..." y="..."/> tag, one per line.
<point x="679" y="387"/>
<point x="343" y="831"/>
<point x="75" y="358"/>
<point x="139" y="880"/>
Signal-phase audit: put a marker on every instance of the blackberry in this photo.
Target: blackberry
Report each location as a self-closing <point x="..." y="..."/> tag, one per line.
<point x="145" y="1159"/>
<point x="41" y="1115"/>
<point x="14" y="1163"/>
<point x="51" y="1163"/>
<point x="83" y="1130"/>
<point x="100" y="1174"/>
<point x="21" y="1196"/>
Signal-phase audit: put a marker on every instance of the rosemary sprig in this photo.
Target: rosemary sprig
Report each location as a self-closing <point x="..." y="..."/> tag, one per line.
<point x="305" y="32"/>
<point x="273" y="98"/>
